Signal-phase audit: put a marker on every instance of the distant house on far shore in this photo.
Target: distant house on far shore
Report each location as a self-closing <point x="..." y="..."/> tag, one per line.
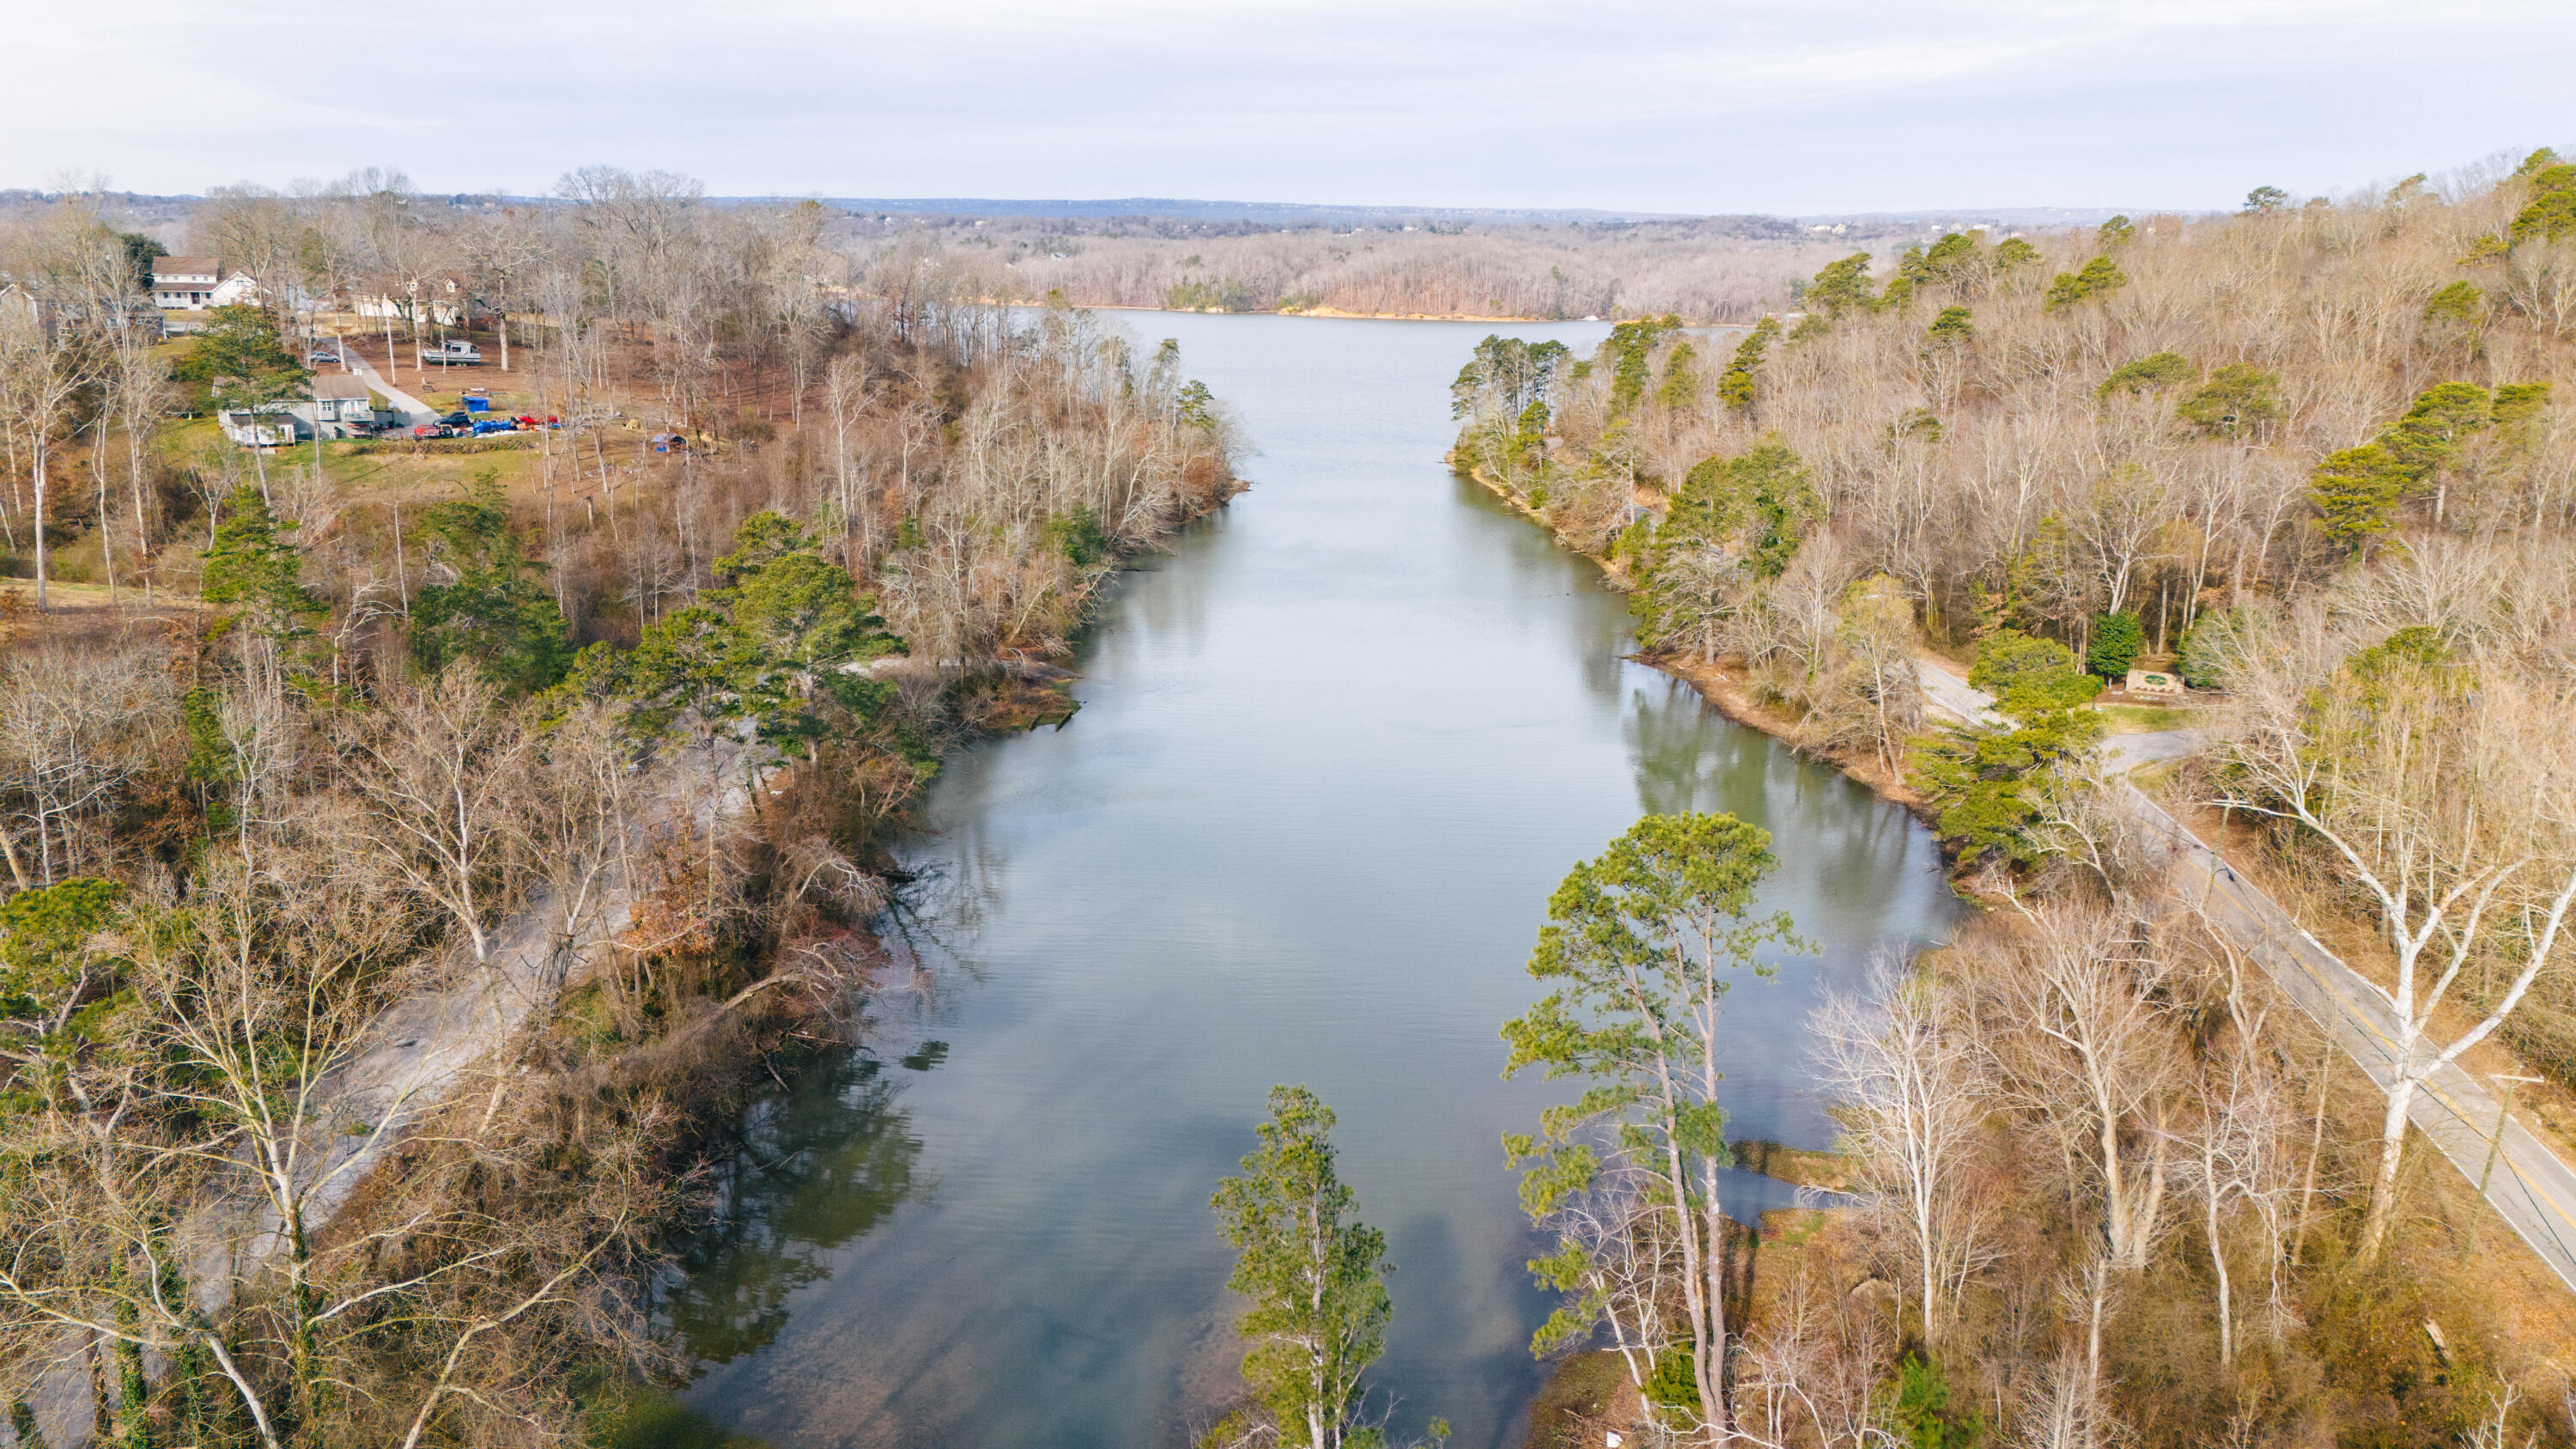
<point x="438" y="299"/>
<point x="193" y="284"/>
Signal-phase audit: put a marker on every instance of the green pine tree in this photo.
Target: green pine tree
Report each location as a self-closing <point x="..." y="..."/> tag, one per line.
<point x="1315" y="1278"/>
<point x="2117" y="640"/>
<point x="2551" y="212"/>
<point x="1641" y="948"/>
<point x="2356" y="492"/>
<point x="494" y="610"/>
<point x="1985" y="781"/>
<point x="2156" y="372"/>
<point x="2459" y="302"/>
<point x="2237" y="396"/>
<point x="1735" y="385"/>
<point x="1841" y="287"/>
<point x="255" y="566"/>
<point x="1681" y="380"/>
<point x="2013" y="253"/>
<point x="2098" y="276"/>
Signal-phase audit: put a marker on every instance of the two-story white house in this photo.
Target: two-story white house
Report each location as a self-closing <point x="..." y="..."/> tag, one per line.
<point x="340" y="406"/>
<point x="193" y="284"/>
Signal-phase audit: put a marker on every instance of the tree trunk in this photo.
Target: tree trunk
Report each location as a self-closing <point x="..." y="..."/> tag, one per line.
<point x="2142" y="1219"/>
<point x="2217" y="1258"/>
<point x="39" y="529"/>
<point x="2383" y="1184"/>
<point x="2316" y="1148"/>
<point x="1714" y="1267"/>
<point x="98" y="475"/>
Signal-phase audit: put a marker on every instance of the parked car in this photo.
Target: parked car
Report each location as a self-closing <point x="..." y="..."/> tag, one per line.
<point x="433" y="430"/>
<point x="321" y="356"/>
<point x="458" y="420"/>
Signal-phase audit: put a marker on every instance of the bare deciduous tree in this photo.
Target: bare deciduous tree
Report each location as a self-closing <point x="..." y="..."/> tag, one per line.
<point x="1911" y="1087"/>
<point x="2451" y="810"/>
<point x="438" y="772"/>
<point x="2095" y="1056"/>
<point x="76" y="726"/>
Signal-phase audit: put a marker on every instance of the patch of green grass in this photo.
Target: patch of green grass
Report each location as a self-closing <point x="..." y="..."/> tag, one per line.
<point x="2138" y="719"/>
<point x="1792" y="1227"/>
<point x="635" y="1417"/>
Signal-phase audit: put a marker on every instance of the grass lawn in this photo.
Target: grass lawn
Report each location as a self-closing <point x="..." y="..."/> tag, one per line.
<point x="2139" y="719"/>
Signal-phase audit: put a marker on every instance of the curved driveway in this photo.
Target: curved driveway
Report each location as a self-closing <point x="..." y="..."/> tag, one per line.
<point x="413" y="409"/>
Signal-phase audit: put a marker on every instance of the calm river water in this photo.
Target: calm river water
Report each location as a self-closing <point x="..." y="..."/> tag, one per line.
<point x="1334" y="752"/>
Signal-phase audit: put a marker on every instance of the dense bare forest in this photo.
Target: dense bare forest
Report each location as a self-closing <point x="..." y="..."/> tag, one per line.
<point x="414" y="842"/>
<point x="2319" y="461"/>
<point x="1706" y="271"/>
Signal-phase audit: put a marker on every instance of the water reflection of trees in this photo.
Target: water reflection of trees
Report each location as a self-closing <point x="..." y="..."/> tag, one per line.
<point x="826" y="1157"/>
<point x="810" y="1170"/>
<point x="1840" y="849"/>
<point x="1686" y="759"/>
<point x="1541" y="570"/>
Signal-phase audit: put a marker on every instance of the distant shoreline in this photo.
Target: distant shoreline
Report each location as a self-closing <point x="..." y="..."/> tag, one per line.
<point x="1337" y="314"/>
<point x="1331" y="312"/>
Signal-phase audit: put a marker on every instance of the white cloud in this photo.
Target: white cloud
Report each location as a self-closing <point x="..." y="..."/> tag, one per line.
<point x="1734" y="105"/>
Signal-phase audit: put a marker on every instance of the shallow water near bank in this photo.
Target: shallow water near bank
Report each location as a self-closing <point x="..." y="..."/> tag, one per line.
<point x="1334" y="752"/>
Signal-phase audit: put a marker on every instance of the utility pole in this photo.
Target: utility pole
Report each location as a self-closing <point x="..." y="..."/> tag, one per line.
<point x="2495" y="1148"/>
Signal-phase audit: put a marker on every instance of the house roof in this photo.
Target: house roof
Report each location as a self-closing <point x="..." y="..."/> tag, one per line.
<point x="380" y="284"/>
<point x="340" y="385"/>
<point x="185" y="267"/>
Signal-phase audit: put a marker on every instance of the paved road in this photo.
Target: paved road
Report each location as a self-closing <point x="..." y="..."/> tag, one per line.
<point x="2532" y="1190"/>
<point x="1952" y="696"/>
<point x="2123" y="753"/>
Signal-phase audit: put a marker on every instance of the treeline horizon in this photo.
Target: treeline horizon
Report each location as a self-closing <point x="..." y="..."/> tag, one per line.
<point x="1362" y="261"/>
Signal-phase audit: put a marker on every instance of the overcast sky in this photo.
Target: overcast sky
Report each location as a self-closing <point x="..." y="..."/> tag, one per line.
<point x="1785" y="106"/>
